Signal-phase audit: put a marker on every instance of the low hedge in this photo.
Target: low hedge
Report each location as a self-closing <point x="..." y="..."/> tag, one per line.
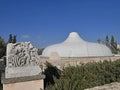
<point x="84" y="76"/>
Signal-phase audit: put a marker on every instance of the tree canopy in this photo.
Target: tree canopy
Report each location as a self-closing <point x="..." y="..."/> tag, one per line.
<point x="12" y="39"/>
<point x="2" y="47"/>
<point x="111" y="43"/>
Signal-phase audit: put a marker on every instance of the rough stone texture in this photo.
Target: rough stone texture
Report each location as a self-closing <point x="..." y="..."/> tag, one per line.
<point x="28" y="85"/>
<point x="67" y="61"/>
<point x="112" y="86"/>
<point x="22" y="60"/>
<point x="21" y="54"/>
<point x="22" y="71"/>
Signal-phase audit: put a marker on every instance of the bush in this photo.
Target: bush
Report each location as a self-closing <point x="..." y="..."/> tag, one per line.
<point x="87" y="76"/>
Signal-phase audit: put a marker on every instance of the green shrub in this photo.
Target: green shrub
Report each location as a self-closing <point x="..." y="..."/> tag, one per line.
<point x="86" y="76"/>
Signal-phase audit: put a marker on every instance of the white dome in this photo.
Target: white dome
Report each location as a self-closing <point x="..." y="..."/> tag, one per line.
<point x="74" y="46"/>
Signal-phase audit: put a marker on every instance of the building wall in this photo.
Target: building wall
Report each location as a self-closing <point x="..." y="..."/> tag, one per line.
<point x="28" y="85"/>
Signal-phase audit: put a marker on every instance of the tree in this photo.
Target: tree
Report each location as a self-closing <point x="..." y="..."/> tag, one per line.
<point x="14" y="39"/>
<point x="10" y="38"/>
<point x="113" y="45"/>
<point x="112" y="40"/>
<point x="107" y="41"/>
<point x="2" y="47"/>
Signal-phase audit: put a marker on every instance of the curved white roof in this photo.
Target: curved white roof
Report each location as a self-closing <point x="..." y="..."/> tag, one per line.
<point x="74" y="46"/>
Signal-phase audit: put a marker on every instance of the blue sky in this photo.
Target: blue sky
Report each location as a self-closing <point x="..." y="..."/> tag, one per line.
<point x="45" y="22"/>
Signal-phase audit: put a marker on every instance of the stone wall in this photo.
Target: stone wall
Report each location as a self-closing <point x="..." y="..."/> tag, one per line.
<point x="63" y="61"/>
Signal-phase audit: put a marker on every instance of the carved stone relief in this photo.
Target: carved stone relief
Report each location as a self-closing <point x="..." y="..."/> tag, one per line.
<point x="22" y="54"/>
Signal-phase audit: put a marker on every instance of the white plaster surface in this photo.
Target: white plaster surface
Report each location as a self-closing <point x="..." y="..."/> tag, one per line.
<point x="75" y="46"/>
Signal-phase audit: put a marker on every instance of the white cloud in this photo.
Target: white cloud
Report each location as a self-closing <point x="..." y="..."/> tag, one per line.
<point x="25" y="36"/>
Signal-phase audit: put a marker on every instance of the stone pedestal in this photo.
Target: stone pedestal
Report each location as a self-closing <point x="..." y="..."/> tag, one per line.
<point x="23" y="83"/>
<point x="23" y="68"/>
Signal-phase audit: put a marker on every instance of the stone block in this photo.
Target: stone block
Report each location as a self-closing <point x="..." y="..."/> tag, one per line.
<point x="22" y="59"/>
<point x="23" y="83"/>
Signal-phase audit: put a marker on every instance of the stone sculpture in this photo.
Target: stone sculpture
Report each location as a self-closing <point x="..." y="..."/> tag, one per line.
<point x="22" y="60"/>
